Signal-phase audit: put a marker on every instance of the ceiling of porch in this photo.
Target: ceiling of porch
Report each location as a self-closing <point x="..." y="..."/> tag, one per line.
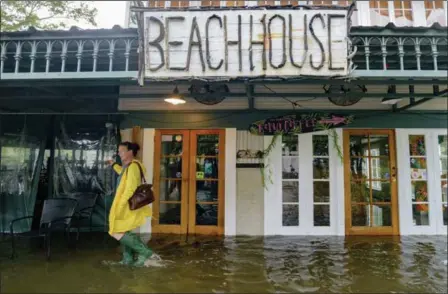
<point x="276" y="96"/>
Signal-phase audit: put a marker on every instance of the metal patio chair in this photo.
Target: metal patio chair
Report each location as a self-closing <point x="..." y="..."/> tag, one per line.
<point x="57" y="214"/>
<point x="84" y="210"/>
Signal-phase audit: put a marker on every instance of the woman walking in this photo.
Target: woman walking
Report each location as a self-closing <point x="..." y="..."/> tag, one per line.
<point x="122" y="220"/>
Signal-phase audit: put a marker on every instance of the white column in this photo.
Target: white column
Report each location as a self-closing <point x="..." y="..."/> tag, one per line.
<point x="148" y="163"/>
<point x="230" y="182"/>
<point x="306" y="188"/>
<point x="273" y="191"/>
<point x="337" y="186"/>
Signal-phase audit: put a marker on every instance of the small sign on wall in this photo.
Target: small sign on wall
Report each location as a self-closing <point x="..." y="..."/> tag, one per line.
<point x="298" y="124"/>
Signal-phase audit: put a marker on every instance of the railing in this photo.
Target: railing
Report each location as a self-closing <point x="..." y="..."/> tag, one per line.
<point x="70" y="54"/>
<point x="408" y="52"/>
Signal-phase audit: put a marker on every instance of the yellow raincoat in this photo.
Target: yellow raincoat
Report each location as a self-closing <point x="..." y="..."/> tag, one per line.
<point x="121" y="218"/>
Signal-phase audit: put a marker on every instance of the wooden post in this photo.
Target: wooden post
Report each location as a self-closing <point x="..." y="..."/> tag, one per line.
<point x="137" y="137"/>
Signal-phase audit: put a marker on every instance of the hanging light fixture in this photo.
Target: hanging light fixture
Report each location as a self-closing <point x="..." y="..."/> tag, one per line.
<point x="175" y="98"/>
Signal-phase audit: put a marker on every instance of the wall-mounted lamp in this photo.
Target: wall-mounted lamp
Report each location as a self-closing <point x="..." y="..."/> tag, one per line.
<point x="175" y="98"/>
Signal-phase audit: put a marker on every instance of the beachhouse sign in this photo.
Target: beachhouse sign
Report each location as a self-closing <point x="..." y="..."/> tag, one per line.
<point x="245" y="43"/>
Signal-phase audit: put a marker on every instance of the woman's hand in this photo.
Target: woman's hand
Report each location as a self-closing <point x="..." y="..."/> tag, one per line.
<point x="110" y="161"/>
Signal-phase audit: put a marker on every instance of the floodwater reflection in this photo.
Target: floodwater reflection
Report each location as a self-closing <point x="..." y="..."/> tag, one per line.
<point x="238" y="265"/>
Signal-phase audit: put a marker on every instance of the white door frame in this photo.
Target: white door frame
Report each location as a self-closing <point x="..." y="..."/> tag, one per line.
<point x="273" y="191"/>
<point x="433" y="181"/>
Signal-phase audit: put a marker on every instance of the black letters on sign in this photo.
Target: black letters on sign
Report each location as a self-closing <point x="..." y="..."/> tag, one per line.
<point x="330" y="57"/>
<point x="207" y="42"/>
<point x="322" y="51"/>
<point x="191" y="43"/>
<point x="156" y="43"/>
<point x="228" y="43"/>
<point x="305" y="42"/>
<point x="252" y="42"/>
<point x="282" y="63"/>
<point x="172" y="43"/>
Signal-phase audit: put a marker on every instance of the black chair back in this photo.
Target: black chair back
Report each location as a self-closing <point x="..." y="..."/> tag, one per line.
<point x="58" y="209"/>
<point x="86" y="203"/>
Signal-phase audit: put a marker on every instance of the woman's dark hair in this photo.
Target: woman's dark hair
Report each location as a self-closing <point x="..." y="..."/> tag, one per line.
<point x="134" y="147"/>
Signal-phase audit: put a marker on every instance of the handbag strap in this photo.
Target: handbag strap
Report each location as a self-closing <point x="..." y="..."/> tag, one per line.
<point x="142" y="175"/>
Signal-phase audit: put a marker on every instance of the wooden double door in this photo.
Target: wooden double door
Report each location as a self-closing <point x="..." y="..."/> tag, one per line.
<point x="189" y="182"/>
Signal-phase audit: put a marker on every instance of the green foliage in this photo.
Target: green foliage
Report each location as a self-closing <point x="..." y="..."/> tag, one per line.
<point x="47" y="15"/>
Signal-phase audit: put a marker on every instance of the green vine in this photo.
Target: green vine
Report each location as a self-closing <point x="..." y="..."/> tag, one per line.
<point x="331" y="132"/>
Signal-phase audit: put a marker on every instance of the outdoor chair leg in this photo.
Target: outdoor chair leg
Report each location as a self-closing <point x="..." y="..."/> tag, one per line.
<point x="48" y="245"/>
<point x="13" y="247"/>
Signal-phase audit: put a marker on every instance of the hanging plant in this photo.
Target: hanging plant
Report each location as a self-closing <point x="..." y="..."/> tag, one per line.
<point x="311" y="122"/>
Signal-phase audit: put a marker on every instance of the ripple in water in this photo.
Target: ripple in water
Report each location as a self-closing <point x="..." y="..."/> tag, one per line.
<point x="243" y="265"/>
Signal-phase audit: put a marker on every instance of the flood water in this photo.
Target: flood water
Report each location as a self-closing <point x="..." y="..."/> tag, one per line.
<point x="238" y="265"/>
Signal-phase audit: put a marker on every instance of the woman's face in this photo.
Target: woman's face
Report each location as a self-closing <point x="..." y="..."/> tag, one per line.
<point x="124" y="153"/>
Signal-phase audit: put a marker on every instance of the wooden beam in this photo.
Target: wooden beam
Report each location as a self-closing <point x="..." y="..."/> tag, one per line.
<point x="137" y="137"/>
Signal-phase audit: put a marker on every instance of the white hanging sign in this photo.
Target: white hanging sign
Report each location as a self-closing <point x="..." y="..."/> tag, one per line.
<point x="245" y="43"/>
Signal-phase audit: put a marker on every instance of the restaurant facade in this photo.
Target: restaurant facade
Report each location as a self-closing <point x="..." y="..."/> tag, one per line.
<point x="272" y="118"/>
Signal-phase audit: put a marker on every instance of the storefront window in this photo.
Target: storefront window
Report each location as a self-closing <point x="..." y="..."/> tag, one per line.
<point x="290" y="180"/>
<point x="321" y="180"/>
<point x="235" y="3"/>
<point x="435" y="12"/>
<point x="419" y="180"/>
<point x="443" y="157"/>
<point x="403" y="12"/>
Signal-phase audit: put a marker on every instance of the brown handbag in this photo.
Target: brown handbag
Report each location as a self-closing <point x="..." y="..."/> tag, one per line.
<point x="143" y="195"/>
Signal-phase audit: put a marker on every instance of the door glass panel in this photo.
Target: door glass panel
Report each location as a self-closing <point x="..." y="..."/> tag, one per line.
<point x="420" y="214"/>
<point x="359" y="168"/>
<point x="381" y="216"/>
<point x="171" y="167"/>
<point x="170" y="190"/>
<point x="360" y="215"/>
<point x="419" y="184"/>
<point x="290" y="167"/>
<point x="170" y="183"/>
<point x="358" y="145"/>
<point x="206" y="168"/>
<point x="207" y="176"/>
<point x="380" y="144"/>
<point x="290" y="191"/>
<point x="321" y="168"/>
<point x="206" y="215"/>
<point x="381" y="191"/>
<point x="207" y="191"/>
<point x="207" y="145"/>
<point x="169" y="213"/>
<point x="290" y="216"/>
<point x="360" y="192"/>
<point x="290" y="146"/>
<point x="371" y="175"/>
<point x="321" y="191"/>
<point x="320" y="145"/>
<point x="417" y="145"/>
<point x="172" y="145"/>
<point x="290" y="181"/>
<point x="321" y="215"/>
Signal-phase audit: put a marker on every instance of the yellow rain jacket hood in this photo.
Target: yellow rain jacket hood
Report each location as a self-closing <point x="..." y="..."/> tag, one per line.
<point x="121" y="218"/>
